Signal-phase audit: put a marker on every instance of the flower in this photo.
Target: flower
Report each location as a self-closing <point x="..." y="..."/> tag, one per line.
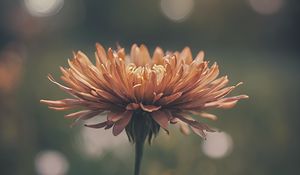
<point x="142" y="95"/>
<point x="169" y="89"/>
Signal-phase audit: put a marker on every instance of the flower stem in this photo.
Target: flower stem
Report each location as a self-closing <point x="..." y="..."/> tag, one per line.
<point x="139" y="147"/>
<point x="141" y="132"/>
<point x="140" y="127"/>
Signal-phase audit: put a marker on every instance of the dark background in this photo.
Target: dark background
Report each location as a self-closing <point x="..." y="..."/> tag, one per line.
<point x="254" y="41"/>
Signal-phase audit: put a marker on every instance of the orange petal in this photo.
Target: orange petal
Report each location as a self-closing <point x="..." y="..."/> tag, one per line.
<point x="149" y="108"/>
<point x="111" y="116"/>
<point x="144" y="55"/>
<point x="101" y="57"/>
<point x="110" y="55"/>
<point x="134" y="55"/>
<point x="225" y="100"/>
<point x="158" y="56"/>
<point x="83" y="114"/>
<point x="132" y="106"/>
<point x="199" y="58"/>
<point x="170" y="98"/>
<point x="196" y="126"/>
<point x="98" y="125"/>
<point x="61" y="108"/>
<point x="64" y="88"/>
<point x="162" y="118"/>
<point x="199" y="132"/>
<point x="61" y="103"/>
<point x="157" y="96"/>
<point x="122" y="123"/>
<point x="208" y="116"/>
<point x="121" y="53"/>
<point x="186" y="55"/>
<point x="228" y="105"/>
<point x="184" y="128"/>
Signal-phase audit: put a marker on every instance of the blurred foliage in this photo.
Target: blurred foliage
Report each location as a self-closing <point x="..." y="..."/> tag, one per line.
<point x="260" y="50"/>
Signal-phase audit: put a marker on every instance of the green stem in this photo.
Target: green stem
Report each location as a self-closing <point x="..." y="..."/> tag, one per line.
<point x="141" y="131"/>
<point x="140" y="127"/>
<point x="139" y="147"/>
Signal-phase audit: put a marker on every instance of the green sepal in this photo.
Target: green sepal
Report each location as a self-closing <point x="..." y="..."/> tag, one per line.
<point x="139" y="128"/>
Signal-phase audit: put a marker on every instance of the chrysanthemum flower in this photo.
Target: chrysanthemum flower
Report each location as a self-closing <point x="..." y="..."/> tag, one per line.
<point x="142" y="94"/>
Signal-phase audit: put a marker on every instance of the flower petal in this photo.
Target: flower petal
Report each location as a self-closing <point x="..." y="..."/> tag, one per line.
<point x="162" y="118"/>
<point x="132" y="106"/>
<point x="101" y="57"/>
<point x="186" y="55"/>
<point x="83" y="114"/>
<point x="158" y="56"/>
<point x="184" y="128"/>
<point x="61" y="108"/>
<point x="64" y="88"/>
<point x="96" y="126"/>
<point x="157" y="96"/>
<point x="111" y="116"/>
<point x="225" y="101"/>
<point x="196" y="126"/>
<point x="169" y="99"/>
<point x="228" y="105"/>
<point x="144" y="55"/>
<point x="61" y="103"/>
<point x="204" y="115"/>
<point x="199" y="132"/>
<point x="149" y="108"/>
<point x="199" y="58"/>
<point x="122" y="123"/>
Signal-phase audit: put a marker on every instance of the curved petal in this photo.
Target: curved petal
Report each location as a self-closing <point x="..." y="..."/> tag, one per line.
<point x="149" y="108"/>
<point x="186" y="55"/>
<point x="162" y="118"/>
<point x="96" y="126"/>
<point x="62" y="103"/>
<point x="101" y="57"/>
<point x="112" y="116"/>
<point x="204" y="115"/>
<point x="83" y="114"/>
<point x="144" y="55"/>
<point x="122" y="123"/>
<point x="196" y="126"/>
<point x="184" y="128"/>
<point x="224" y="101"/>
<point x="158" y="56"/>
<point x="132" y="106"/>
<point x="169" y="99"/>
<point x="199" y="58"/>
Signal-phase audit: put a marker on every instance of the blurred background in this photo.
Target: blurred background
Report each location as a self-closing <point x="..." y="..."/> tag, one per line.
<point x="254" y="41"/>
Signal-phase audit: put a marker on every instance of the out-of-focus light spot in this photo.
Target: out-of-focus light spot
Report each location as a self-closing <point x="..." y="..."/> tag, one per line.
<point x="217" y="145"/>
<point x="20" y="23"/>
<point x="94" y="143"/>
<point x="51" y="163"/>
<point x="266" y="7"/>
<point x="43" y="8"/>
<point x="177" y="10"/>
<point x="11" y="66"/>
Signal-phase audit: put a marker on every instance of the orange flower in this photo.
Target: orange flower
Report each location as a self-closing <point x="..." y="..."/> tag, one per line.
<point x="142" y="95"/>
<point x="168" y="88"/>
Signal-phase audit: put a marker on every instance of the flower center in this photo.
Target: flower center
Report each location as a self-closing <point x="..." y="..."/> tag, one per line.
<point x="144" y="72"/>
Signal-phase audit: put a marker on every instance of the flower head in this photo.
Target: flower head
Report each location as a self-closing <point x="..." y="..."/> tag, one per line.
<point x="139" y="91"/>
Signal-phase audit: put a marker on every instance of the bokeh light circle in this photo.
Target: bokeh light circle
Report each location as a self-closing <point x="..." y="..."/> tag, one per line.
<point x="217" y="145"/>
<point x="51" y="163"/>
<point x="266" y="7"/>
<point x="92" y="147"/>
<point x="177" y="10"/>
<point x="43" y="8"/>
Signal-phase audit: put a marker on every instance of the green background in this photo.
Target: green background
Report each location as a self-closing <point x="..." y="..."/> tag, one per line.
<point x="260" y="50"/>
